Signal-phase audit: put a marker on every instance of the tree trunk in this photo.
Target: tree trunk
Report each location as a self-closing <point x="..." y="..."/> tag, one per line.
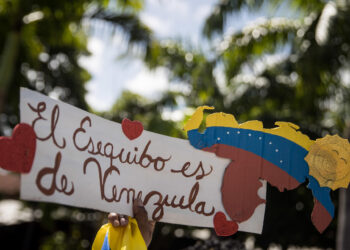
<point x="343" y="230"/>
<point x="7" y="64"/>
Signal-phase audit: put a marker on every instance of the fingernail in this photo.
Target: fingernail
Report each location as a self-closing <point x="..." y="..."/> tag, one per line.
<point x="115" y="223"/>
<point x="122" y="221"/>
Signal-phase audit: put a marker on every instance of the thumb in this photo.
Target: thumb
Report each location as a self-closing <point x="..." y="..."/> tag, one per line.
<point x="146" y="227"/>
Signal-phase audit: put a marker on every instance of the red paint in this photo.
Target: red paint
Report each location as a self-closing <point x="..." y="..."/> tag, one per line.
<point x="320" y="217"/>
<point x="17" y="152"/>
<point x="132" y="129"/>
<point x="241" y="180"/>
<point x="222" y="226"/>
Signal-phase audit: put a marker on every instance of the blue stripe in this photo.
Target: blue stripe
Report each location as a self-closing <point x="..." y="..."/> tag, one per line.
<point x="278" y="150"/>
<point x="105" y="245"/>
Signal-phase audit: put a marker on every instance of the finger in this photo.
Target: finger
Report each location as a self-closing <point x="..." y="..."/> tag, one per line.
<point x="140" y="212"/>
<point x="113" y="219"/>
<point x="146" y="227"/>
<point x="123" y="220"/>
<point x="152" y="223"/>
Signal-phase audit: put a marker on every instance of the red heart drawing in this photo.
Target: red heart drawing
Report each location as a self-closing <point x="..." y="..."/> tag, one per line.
<point x="224" y="227"/>
<point x="132" y="129"/>
<point x="17" y="152"/>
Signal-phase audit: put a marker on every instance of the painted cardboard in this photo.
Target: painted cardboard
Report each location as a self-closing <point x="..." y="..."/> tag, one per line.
<point x="282" y="156"/>
<point x="17" y="152"/>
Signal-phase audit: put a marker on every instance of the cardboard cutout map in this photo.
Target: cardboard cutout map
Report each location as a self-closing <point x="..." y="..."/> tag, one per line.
<point x="282" y="156"/>
<point x="85" y="161"/>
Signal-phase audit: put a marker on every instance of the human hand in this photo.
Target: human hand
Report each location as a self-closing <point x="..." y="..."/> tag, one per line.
<point x="140" y="214"/>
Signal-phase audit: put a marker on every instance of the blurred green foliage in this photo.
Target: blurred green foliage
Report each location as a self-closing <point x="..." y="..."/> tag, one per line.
<point x="291" y="69"/>
<point x="275" y="69"/>
<point x="41" y="42"/>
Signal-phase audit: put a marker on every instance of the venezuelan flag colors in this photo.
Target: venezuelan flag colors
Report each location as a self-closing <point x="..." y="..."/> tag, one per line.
<point x="284" y="148"/>
<point x="120" y="238"/>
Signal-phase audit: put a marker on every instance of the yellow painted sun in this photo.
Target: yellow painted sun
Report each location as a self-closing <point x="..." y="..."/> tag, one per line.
<point x="329" y="161"/>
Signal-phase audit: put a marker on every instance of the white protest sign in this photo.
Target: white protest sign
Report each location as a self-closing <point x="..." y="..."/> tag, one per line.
<point x="86" y="161"/>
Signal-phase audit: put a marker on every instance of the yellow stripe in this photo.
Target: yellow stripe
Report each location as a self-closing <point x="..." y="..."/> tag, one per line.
<point x="284" y="129"/>
<point x="100" y="237"/>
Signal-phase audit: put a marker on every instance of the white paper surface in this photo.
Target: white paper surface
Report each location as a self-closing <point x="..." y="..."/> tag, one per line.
<point x="56" y="123"/>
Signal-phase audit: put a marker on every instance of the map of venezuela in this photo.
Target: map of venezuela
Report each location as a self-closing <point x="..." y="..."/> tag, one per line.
<point x="276" y="155"/>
